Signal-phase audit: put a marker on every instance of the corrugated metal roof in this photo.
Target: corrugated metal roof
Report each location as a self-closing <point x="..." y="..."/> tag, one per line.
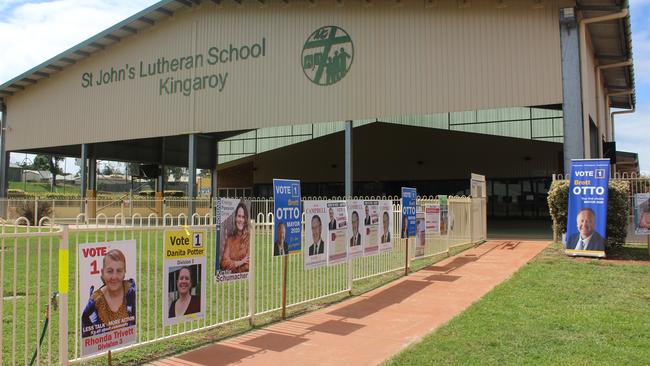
<point x="128" y="27"/>
<point x="612" y="43"/>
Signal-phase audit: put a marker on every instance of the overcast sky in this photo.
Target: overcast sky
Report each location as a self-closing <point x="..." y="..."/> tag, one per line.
<point x="34" y="31"/>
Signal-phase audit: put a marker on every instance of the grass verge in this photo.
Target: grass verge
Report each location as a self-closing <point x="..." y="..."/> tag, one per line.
<point x="555" y="311"/>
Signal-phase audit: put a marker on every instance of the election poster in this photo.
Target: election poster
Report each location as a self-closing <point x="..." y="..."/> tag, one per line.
<point x="587" y="213"/>
<point x="184" y="275"/>
<point x="642" y="214"/>
<point x="444" y="214"/>
<point x="386" y="218"/>
<point x="432" y="219"/>
<point x="420" y="238"/>
<point x="370" y="230"/>
<point x="409" y="201"/>
<point x="233" y="239"/>
<point x="107" y="275"/>
<point x="287" y="216"/>
<point x="315" y="248"/>
<point x="337" y="246"/>
<point x="355" y="212"/>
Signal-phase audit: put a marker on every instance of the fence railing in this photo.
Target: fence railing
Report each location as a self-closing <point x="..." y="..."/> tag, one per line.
<point x="32" y="267"/>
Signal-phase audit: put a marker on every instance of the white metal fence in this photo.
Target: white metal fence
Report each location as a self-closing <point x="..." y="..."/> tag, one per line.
<point x="34" y="265"/>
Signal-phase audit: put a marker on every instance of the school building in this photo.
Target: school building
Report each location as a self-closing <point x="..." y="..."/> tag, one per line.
<point x="349" y="96"/>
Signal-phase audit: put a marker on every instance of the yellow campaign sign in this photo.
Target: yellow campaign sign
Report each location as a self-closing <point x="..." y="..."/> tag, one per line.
<point x="184" y="243"/>
<point x="63" y="271"/>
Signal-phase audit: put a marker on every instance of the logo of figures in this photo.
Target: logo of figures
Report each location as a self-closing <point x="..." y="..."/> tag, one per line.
<point x="327" y="55"/>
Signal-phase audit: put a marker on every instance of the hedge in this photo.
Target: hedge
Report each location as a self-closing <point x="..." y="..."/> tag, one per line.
<point x="617" y="210"/>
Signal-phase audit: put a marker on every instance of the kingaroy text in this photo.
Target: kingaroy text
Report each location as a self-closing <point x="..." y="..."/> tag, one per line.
<point x="183" y="85"/>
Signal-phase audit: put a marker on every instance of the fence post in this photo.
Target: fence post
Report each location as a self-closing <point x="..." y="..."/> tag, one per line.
<point x="471" y="220"/>
<point x="35" y="210"/>
<point x="63" y="296"/>
<point x="252" y="306"/>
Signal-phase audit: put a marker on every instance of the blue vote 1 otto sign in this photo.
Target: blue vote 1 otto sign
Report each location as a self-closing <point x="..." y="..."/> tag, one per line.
<point x="409" y="202"/>
<point x="587" y="213"/>
<point x="286" y="196"/>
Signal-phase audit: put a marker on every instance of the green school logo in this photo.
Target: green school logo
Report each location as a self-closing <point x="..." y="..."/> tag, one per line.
<point x="327" y="55"/>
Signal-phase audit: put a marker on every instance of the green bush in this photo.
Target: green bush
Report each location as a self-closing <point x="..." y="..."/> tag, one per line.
<point x="16" y="193"/>
<point x="617" y="210"/>
<point x="170" y="193"/>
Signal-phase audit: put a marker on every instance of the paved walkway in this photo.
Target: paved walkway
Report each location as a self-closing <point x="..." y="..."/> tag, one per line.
<point x="370" y="328"/>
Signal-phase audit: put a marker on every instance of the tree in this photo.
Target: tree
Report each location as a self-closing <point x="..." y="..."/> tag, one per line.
<point x="49" y="163"/>
<point x="175" y="171"/>
<point x="132" y="169"/>
<point x="108" y="170"/>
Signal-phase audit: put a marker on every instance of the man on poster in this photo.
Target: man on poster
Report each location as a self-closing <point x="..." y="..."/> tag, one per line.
<point x="280" y="247"/>
<point x="587" y="238"/>
<point x="356" y="235"/>
<point x="287" y="216"/>
<point x="317" y="246"/>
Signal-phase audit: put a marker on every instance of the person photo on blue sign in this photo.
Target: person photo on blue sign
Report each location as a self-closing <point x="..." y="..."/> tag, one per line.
<point x="587" y="238"/>
<point x="280" y="247"/>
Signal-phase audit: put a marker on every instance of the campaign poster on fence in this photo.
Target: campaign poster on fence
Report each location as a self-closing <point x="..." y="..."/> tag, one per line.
<point x="355" y="211"/>
<point x="386" y="214"/>
<point x="337" y="246"/>
<point x="287" y="216"/>
<point x="233" y="239"/>
<point x="107" y="277"/>
<point x="587" y="213"/>
<point x="444" y="214"/>
<point x="642" y="214"/>
<point x="370" y="230"/>
<point x="420" y="238"/>
<point x="409" y="201"/>
<point x="315" y="234"/>
<point x="432" y="219"/>
<point x="184" y="275"/>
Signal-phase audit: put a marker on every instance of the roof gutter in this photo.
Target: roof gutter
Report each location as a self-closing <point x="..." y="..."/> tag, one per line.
<point x="582" y="24"/>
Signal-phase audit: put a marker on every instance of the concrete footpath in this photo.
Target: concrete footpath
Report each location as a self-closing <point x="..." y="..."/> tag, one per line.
<point x="372" y="327"/>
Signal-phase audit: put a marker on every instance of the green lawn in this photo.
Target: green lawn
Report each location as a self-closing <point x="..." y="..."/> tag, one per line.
<point x="554" y="311"/>
<point x="44" y="187"/>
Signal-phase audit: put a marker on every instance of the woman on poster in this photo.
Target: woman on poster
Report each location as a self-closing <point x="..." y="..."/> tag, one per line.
<point x="186" y="303"/>
<point x="236" y="253"/>
<point x="112" y="305"/>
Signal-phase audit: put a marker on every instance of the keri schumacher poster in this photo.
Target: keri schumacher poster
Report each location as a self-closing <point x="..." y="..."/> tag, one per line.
<point x="107" y="277"/>
<point x="184" y="276"/>
<point x="233" y="239"/>
<point x="587" y="213"/>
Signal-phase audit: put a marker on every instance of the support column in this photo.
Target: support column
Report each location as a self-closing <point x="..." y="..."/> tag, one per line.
<point x="4" y="161"/>
<point x="574" y="147"/>
<point x="191" y="167"/>
<point x="160" y="182"/>
<point x="84" y="175"/>
<point x="349" y="180"/>
<point x="214" y="187"/>
<point x="92" y="187"/>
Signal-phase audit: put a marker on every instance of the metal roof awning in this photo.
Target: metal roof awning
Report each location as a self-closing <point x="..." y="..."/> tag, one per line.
<point x="128" y="27"/>
<point x="612" y="43"/>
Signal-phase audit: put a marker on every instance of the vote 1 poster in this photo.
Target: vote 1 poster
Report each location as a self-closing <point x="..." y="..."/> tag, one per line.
<point x="642" y="214"/>
<point x="315" y="250"/>
<point x="107" y="275"/>
<point x="370" y="231"/>
<point x="432" y="219"/>
<point x="183" y="280"/>
<point x="587" y="213"/>
<point x="233" y="239"/>
<point x="287" y="217"/>
<point x="409" y="201"/>
<point x="386" y="218"/>
<point x="355" y="213"/>
<point x="337" y="227"/>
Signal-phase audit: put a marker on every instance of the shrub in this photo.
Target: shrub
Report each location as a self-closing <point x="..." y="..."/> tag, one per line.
<point x="16" y="193"/>
<point x="617" y="210"/>
<point x="26" y="210"/>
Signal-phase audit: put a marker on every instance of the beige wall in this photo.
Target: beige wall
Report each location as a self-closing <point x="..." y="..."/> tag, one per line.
<point x="409" y="60"/>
